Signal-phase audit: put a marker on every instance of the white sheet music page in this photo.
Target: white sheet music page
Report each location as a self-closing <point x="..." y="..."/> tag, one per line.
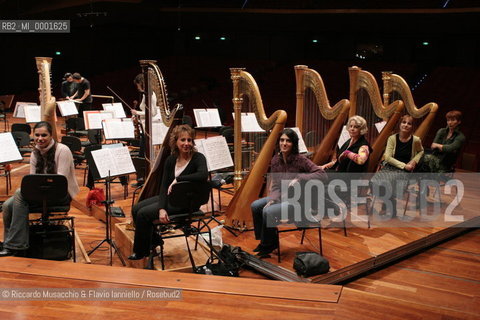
<point x="93" y="119"/>
<point x="302" y="147"/>
<point x="19" y="111"/>
<point x="207" y="118"/>
<point x="215" y="149"/>
<point x="9" y="150"/>
<point x="67" y="108"/>
<point x="344" y="136"/>
<point x="116" y="108"/>
<point x="117" y="160"/>
<point x="32" y="113"/>
<point x="118" y="129"/>
<point x="380" y="125"/>
<point x="249" y="122"/>
<point x="159" y="131"/>
<point x="123" y="160"/>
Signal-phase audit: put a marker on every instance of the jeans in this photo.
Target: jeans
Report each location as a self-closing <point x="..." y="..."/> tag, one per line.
<point x="15" y="222"/>
<point x="265" y="221"/>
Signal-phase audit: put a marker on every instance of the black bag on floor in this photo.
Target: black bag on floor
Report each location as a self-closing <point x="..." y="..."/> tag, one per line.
<point x="309" y="264"/>
<point x="50" y="242"/>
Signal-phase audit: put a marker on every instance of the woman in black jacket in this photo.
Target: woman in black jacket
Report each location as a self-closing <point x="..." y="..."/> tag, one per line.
<point x="184" y="164"/>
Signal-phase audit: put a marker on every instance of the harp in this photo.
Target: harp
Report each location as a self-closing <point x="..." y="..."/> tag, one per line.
<point x="396" y="88"/>
<point x="47" y="101"/>
<point x="366" y="101"/>
<point x="154" y="82"/>
<point x="247" y="98"/>
<point x="319" y="123"/>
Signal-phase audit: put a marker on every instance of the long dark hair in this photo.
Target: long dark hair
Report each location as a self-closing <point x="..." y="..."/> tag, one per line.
<point x="292" y="135"/>
<point x="46" y="160"/>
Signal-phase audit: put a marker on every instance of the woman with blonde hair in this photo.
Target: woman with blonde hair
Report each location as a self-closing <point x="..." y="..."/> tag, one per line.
<point x="184" y="164"/>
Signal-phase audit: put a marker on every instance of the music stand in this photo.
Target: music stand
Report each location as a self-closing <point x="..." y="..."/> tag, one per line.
<point x="108" y="222"/>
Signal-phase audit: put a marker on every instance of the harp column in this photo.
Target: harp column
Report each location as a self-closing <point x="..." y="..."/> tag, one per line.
<point x="149" y="152"/>
<point x="387" y="86"/>
<point x="299" y="75"/>
<point x="237" y="127"/>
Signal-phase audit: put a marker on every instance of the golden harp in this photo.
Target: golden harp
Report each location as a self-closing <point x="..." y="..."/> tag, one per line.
<point x="396" y="88"/>
<point x="366" y="101"/>
<point x="247" y="98"/>
<point x="319" y="123"/>
<point x="47" y="101"/>
<point x="155" y="83"/>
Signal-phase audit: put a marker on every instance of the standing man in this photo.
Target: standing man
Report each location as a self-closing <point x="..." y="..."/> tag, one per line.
<point x="69" y="87"/>
<point x="83" y="94"/>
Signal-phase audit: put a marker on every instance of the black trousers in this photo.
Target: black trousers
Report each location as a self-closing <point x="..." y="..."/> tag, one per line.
<point x="144" y="213"/>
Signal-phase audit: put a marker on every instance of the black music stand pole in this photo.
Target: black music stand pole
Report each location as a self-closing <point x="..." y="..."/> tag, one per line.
<point x="108" y="222"/>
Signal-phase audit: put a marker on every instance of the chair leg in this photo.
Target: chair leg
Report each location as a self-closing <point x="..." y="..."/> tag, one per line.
<point x="320" y="239"/>
<point x="192" y="261"/>
<point x="278" y="245"/>
<point x="303" y="236"/>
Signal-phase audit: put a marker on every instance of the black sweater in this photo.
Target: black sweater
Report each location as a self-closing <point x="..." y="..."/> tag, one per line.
<point x="196" y="171"/>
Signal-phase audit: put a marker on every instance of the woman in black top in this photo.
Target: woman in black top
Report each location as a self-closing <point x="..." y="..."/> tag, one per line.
<point x="184" y="164"/>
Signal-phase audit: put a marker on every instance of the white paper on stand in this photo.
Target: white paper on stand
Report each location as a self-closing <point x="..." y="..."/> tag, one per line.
<point x="116" y="160"/>
<point x="206" y="118"/>
<point x="118" y="128"/>
<point x="32" y="113"/>
<point x="216" y="150"/>
<point x="93" y="119"/>
<point x="302" y="147"/>
<point x="9" y="150"/>
<point x="67" y="108"/>
<point x="344" y="136"/>
<point x="116" y="108"/>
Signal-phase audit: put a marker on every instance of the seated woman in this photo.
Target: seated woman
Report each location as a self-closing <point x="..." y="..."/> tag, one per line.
<point x="402" y="154"/>
<point x="184" y="164"/>
<point x="48" y="156"/>
<point x="267" y="211"/>
<point x="446" y="145"/>
<point x="354" y="153"/>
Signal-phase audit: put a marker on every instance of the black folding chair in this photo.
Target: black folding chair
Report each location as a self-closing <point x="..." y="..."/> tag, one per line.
<point x="47" y="194"/>
<point x="193" y="195"/>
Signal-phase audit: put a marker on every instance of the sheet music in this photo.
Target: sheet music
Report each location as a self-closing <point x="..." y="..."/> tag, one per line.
<point x="207" y="118"/>
<point x="344" y="136"/>
<point x="249" y="122"/>
<point x="116" y="108"/>
<point x="9" y="150"/>
<point x="216" y="151"/>
<point x="159" y="131"/>
<point x="118" y="128"/>
<point x="93" y="119"/>
<point x="302" y="147"/>
<point x="380" y="125"/>
<point x="32" y="113"/>
<point x="117" y="160"/>
<point x="67" y="108"/>
<point x="19" y="111"/>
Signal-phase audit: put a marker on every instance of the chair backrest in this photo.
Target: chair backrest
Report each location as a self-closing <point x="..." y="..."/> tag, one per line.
<point x="228" y="134"/>
<point x="140" y="165"/>
<point x="187" y="120"/>
<point x="25" y="127"/>
<point x="194" y="194"/>
<point x="73" y="143"/>
<point x="75" y="124"/>
<point x="21" y="138"/>
<point x="94" y="136"/>
<point x="40" y="188"/>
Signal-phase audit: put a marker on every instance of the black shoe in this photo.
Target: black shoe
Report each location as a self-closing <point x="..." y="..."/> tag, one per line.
<point x="263" y="255"/>
<point x="258" y="248"/>
<point x="1" y="245"/>
<point x="265" y="251"/>
<point x="12" y="253"/>
<point x="134" y="256"/>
